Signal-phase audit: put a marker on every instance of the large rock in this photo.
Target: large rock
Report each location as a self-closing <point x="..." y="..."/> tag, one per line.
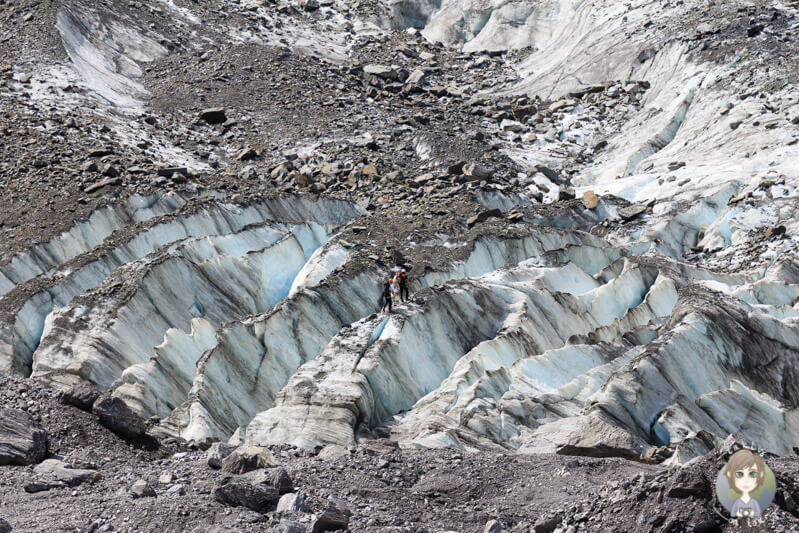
<point x="218" y="452"/>
<point x="248" y="458"/>
<point x="59" y="473"/>
<point x="277" y="478"/>
<point x="213" y="115"/>
<point x="81" y="395"/>
<point x="52" y="473"/>
<point x="291" y="503"/>
<point x="22" y="440"/>
<point x="246" y="491"/>
<point x="476" y="171"/>
<point x="142" y="489"/>
<point x="290" y="526"/>
<point x="483" y="216"/>
<point x="335" y="517"/>
<point x="386" y="72"/>
<point x="118" y="417"/>
<point x="5" y="527"/>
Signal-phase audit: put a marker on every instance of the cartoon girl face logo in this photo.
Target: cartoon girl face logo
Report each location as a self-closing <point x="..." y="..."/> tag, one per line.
<point x="745" y="486"/>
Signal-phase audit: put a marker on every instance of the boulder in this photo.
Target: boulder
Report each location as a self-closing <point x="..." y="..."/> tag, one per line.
<point x="590" y="199"/>
<point x="333" y="451"/>
<point x="5" y="527"/>
<point x="22" y="440"/>
<point x="493" y="526"/>
<point x="277" y="478"/>
<point x="248" y="458"/>
<point x="118" y="417"/>
<point x="244" y="491"/>
<point x="551" y="175"/>
<point x="217" y="453"/>
<point x="246" y="154"/>
<point x="548" y="525"/>
<point x="81" y="395"/>
<point x="55" y="473"/>
<point x="631" y="211"/>
<point x="292" y="502"/>
<point x="476" y="171"/>
<point x="290" y="526"/>
<point x="142" y="489"/>
<point x="335" y="517"/>
<point x="386" y="72"/>
<point x="213" y="115"/>
<point x="483" y="216"/>
<point x="689" y="482"/>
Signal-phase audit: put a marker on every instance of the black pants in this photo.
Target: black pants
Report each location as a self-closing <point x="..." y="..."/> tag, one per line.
<point x="404" y="292"/>
<point x="386" y="301"/>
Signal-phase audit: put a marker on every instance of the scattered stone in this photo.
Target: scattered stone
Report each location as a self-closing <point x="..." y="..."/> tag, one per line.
<point x="548" y="525"/>
<point x="424" y="178"/>
<point x="241" y="491"/>
<point x="213" y="115"/>
<point x="631" y="211"/>
<point x="369" y="171"/>
<point x="142" y="489"/>
<point x="493" y="526"/>
<point x="687" y="483"/>
<point x="551" y="175"/>
<point x="674" y="165"/>
<point x="476" y="171"/>
<point x="52" y="473"/>
<point x="754" y="30"/>
<point x="246" y="154"/>
<point x="590" y="199"/>
<point x="333" y="451"/>
<point x="277" y="478"/>
<point x="118" y="417"/>
<point x="101" y="184"/>
<point x="81" y="395"/>
<point x="22" y="440"/>
<point x="335" y="517"/>
<point x="217" y="453"/>
<point x="166" y="478"/>
<point x="365" y="141"/>
<point x="415" y="77"/>
<point x="386" y="72"/>
<point x="249" y="172"/>
<point x="290" y="526"/>
<point x="292" y="502"/>
<point x="511" y="125"/>
<point x="379" y="447"/>
<point x="110" y="170"/>
<point x="483" y="216"/>
<point x="560" y="104"/>
<point x="176" y="490"/>
<point x="248" y="458"/>
<point x="168" y="172"/>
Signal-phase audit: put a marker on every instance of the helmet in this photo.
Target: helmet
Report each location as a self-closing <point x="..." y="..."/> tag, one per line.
<point x="391" y="280"/>
<point x="404" y="271"/>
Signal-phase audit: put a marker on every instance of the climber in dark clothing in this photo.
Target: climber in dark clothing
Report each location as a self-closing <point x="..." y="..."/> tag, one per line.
<point x="388" y="292"/>
<point x="403" y="285"/>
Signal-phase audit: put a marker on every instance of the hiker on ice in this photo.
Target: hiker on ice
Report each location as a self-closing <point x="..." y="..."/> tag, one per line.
<point x="388" y="294"/>
<point x="402" y="277"/>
